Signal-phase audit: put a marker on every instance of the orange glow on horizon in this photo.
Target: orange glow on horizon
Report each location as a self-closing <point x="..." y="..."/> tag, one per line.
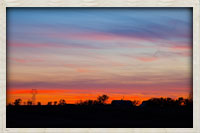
<point x="72" y="97"/>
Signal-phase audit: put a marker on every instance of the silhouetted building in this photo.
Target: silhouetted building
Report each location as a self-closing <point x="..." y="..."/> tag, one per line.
<point x="122" y="103"/>
<point x="144" y="104"/>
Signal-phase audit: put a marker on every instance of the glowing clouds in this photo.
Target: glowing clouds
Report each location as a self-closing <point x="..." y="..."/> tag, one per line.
<point x="118" y="52"/>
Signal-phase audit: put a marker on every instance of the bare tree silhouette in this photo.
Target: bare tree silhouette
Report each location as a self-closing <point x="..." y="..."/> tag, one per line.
<point x="102" y="99"/>
<point x="62" y="102"/>
<point x="17" y="102"/>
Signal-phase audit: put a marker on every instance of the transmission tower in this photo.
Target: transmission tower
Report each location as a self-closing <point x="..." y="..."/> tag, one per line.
<point x="34" y="92"/>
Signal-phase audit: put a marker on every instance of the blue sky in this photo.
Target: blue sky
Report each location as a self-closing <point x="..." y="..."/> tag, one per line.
<point x="144" y="51"/>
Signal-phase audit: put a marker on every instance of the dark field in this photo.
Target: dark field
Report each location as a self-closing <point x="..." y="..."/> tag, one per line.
<point x="96" y="116"/>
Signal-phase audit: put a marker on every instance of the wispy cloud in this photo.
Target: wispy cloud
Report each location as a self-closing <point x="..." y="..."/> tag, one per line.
<point x="147" y="59"/>
<point x="52" y="45"/>
<point x="120" y="51"/>
<point x="25" y="60"/>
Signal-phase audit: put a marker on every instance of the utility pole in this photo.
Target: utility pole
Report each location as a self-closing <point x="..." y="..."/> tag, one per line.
<point x="34" y="92"/>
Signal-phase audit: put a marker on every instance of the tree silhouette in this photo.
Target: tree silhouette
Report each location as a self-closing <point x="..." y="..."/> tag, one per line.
<point x="10" y="104"/>
<point x="29" y="102"/>
<point x="62" y="102"/>
<point x="135" y="102"/>
<point x="188" y="103"/>
<point x="169" y="99"/>
<point x="180" y="101"/>
<point x="17" y="102"/>
<point x="160" y="102"/>
<point x="90" y="102"/>
<point x="102" y="99"/>
<point x="55" y="102"/>
<point x="39" y="103"/>
<point x="49" y="103"/>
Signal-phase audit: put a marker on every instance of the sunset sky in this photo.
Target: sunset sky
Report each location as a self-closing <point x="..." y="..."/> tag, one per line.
<point x="81" y="53"/>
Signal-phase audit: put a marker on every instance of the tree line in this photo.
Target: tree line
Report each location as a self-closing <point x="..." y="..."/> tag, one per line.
<point x="101" y="100"/>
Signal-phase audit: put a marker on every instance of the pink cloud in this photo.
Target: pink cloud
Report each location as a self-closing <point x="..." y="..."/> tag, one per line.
<point x="84" y="70"/>
<point x="98" y="36"/>
<point x="147" y="59"/>
<point x="186" y="54"/>
<point x="76" y="65"/>
<point x="176" y="45"/>
<point x="83" y="36"/>
<point x="142" y="58"/>
<point x="77" y="68"/>
<point x="125" y="41"/>
<point x="32" y="45"/>
<point x="19" y="60"/>
<point x="93" y="36"/>
<point x="181" y="47"/>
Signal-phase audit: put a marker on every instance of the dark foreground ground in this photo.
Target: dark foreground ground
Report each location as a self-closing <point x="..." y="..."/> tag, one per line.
<point x="105" y="116"/>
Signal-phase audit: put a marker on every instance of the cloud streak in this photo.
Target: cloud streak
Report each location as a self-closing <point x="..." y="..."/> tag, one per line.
<point x="119" y="51"/>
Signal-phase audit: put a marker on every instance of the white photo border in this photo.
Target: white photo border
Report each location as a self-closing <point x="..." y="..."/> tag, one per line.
<point x="195" y="4"/>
